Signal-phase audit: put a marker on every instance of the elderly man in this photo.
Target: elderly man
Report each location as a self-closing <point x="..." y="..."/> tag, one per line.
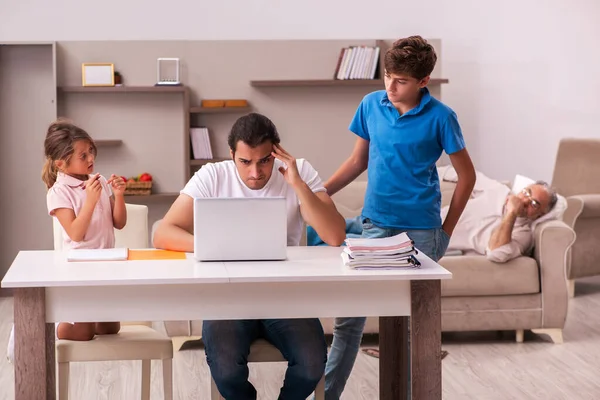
<point x="498" y="223"/>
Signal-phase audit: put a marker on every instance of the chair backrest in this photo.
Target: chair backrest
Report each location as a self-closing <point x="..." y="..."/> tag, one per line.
<point x="134" y="235"/>
<point x="577" y="166"/>
<point x="154" y="226"/>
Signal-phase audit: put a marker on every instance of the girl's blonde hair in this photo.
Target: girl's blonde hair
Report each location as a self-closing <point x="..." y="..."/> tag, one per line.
<point x="61" y="136"/>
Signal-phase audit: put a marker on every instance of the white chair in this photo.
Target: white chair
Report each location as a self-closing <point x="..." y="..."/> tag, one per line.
<point x="133" y="236"/>
<point x="263" y="351"/>
<point x="135" y="340"/>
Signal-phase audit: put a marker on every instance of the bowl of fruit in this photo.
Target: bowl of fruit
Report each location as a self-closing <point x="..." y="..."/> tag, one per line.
<point x="140" y="185"/>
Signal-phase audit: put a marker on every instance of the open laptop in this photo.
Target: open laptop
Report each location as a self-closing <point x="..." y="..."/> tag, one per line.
<point x="240" y="229"/>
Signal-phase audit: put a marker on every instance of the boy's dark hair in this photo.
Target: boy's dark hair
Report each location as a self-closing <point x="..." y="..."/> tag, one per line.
<point x="411" y="56"/>
<point x="253" y="129"/>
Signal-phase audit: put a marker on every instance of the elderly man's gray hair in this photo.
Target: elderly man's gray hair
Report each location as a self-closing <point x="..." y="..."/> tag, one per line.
<point x="551" y="193"/>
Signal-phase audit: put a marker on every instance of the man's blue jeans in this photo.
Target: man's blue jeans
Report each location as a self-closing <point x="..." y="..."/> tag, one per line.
<point x="347" y="332"/>
<point x="301" y="341"/>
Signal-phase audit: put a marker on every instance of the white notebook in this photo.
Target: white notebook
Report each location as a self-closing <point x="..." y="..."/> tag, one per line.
<point x="118" y="254"/>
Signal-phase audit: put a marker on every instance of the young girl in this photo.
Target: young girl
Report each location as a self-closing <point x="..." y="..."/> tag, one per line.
<point x="87" y="206"/>
<point x="83" y="203"/>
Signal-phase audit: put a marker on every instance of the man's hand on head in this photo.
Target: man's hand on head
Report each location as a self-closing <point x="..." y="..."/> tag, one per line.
<point x="290" y="171"/>
<point x="515" y="206"/>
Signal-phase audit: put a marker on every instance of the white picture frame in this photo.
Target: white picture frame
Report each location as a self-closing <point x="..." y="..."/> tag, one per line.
<point x="167" y="71"/>
<point x="98" y="74"/>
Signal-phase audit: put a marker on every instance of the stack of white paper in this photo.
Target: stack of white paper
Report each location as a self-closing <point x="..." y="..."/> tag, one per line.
<point x="393" y="252"/>
<point x="118" y="254"/>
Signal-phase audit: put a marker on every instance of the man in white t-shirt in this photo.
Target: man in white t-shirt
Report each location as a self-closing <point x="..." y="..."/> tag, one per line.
<point x="260" y="167"/>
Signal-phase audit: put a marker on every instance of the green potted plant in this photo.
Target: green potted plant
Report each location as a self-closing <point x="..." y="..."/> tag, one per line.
<point x="118" y="79"/>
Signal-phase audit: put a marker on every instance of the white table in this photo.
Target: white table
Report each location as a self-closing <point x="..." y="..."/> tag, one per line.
<point x="312" y="282"/>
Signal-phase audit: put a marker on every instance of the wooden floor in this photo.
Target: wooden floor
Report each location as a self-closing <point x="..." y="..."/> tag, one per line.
<point x="479" y="366"/>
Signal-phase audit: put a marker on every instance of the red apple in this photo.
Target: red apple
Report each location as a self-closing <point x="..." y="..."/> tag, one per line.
<point x="145" y="177"/>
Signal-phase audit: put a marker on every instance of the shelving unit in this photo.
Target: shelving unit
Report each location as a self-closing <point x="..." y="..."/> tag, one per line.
<point x="181" y="93"/>
<point x="217" y="118"/>
<point x="367" y="83"/>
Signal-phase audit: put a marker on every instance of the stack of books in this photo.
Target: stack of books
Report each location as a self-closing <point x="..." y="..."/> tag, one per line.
<point x="395" y="252"/>
<point x="357" y="62"/>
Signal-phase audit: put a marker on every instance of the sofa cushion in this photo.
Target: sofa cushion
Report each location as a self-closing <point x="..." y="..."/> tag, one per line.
<point x="475" y="275"/>
<point x="350" y="200"/>
<point x="447" y="190"/>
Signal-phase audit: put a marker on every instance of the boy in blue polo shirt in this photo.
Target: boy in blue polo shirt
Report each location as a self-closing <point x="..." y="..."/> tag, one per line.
<point x="401" y="133"/>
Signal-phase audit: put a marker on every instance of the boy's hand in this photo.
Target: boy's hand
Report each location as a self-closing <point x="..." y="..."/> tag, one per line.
<point x="117" y="184"/>
<point x="290" y="172"/>
<point x="93" y="188"/>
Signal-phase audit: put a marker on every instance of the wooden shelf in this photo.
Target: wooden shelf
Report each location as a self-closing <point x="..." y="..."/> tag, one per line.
<point x="122" y="89"/>
<point x="219" y="110"/>
<point x="109" y="142"/>
<point x="330" y="82"/>
<point x="200" y="162"/>
<point x="317" y="82"/>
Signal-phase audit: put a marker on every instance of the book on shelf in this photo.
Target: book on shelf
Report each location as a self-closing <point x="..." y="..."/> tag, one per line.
<point x="200" y="143"/>
<point x="357" y="62"/>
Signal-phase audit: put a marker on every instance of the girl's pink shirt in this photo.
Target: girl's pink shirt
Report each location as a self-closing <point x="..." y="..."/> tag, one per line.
<point x="68" y="192"/>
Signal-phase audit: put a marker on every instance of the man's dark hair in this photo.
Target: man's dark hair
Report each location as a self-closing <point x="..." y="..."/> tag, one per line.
<point x="253" y="129"/>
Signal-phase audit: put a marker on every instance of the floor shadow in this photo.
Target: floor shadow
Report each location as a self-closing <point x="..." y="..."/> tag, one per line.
<point x="371" y="341"/>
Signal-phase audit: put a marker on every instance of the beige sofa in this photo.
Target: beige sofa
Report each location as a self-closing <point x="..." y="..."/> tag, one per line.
<point x="525" y="293"/>
<point x="580" y="158"/>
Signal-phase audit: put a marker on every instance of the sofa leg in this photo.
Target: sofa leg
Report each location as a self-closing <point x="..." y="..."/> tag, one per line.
<point x="520" y="335"/>
<point x="571" y="288"/>
<point x="555" y="334"/>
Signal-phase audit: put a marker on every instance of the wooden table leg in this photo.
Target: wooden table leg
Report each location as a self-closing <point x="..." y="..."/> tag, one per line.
<point x="34" y="347"/>
<point x="426" y="340"/>
<point x="393" y="358"/>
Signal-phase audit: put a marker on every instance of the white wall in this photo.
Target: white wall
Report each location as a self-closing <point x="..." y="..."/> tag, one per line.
<point x="523" y="74"/>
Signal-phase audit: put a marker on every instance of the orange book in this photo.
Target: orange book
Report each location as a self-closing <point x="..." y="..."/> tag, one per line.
<point x="135" y="255"/>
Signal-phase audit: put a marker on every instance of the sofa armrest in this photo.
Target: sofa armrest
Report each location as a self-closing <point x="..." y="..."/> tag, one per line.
<point x="583" y="216"/>
<point x="591" y="205"/>
<point x="581" y="206"/>
<point x="552" y="241"/>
